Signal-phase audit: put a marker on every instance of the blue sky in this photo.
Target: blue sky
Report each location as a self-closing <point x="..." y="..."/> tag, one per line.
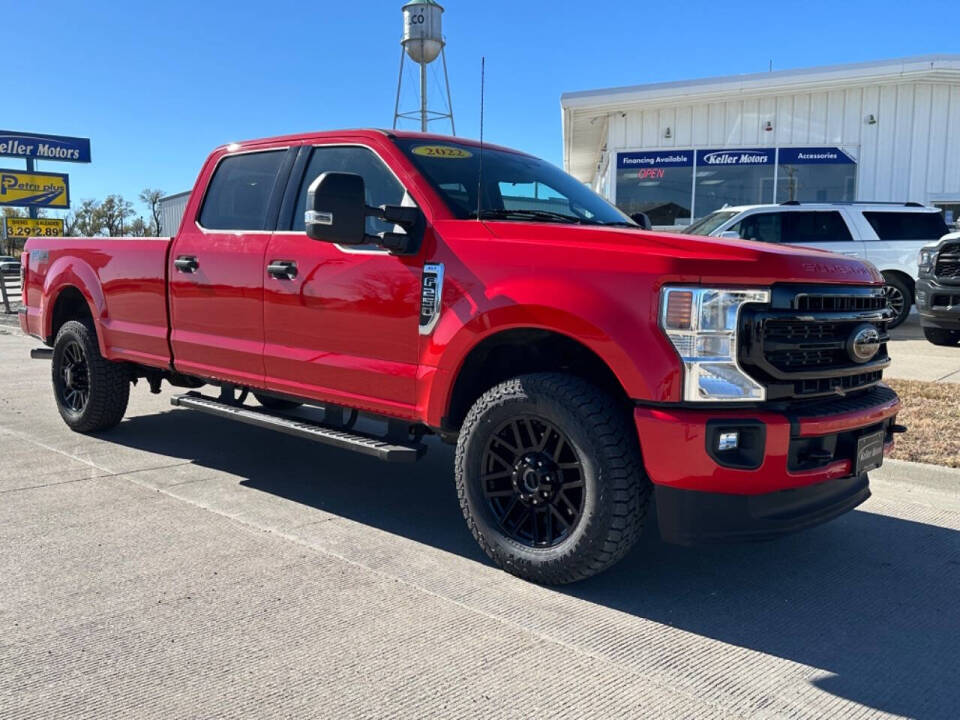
<point x="157" y="85"/>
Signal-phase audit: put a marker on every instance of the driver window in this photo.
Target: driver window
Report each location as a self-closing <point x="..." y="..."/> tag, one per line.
<point x="382" y="187"/>
<point x="763" y="227"/>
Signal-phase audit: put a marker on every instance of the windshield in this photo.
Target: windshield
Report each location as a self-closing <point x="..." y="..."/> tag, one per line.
<point x="706" y="225"/>
<point x="515" y="186"/>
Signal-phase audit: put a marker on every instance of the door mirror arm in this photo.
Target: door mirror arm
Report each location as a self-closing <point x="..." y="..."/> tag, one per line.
<point x="337" y="212"/>
<point x="411" y="219"/>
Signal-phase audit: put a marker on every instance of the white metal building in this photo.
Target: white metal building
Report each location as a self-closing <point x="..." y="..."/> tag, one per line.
<point x="884" y="131"/>
<point x="172" y="208"/>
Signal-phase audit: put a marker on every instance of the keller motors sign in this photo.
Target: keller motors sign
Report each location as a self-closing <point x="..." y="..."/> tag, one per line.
<point x="35" y="146"/>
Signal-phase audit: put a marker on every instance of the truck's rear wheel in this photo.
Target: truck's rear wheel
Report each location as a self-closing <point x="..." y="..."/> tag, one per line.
<point x="91" y="392"/>
<point x="550" y="479"/>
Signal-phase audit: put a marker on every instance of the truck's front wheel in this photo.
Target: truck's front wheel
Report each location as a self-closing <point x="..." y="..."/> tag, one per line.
<point x="91" y="391"/>
<point x="550" y="479"/>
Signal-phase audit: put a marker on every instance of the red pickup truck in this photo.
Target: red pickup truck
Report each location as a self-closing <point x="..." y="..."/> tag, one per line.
<point x="411" y="285"/>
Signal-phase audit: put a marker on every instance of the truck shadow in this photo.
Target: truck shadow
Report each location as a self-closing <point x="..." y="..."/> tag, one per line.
<point x="870" y="599"/>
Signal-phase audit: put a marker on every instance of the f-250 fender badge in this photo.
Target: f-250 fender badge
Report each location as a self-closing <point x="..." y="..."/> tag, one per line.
<point x="431" y="293"/>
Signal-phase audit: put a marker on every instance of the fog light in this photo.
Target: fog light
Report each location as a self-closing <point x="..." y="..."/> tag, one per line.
<point x="728" y="441"/>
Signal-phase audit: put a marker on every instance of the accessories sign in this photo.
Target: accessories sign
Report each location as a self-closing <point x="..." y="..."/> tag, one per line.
<point x="34" y="189"/>
<point x="44" y="147"/>
<point x="815" y="156"/>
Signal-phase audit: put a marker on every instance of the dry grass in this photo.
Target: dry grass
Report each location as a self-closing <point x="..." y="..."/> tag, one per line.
<point x="931" y="412"/>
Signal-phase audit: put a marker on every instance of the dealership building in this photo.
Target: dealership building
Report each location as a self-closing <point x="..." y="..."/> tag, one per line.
<point x="874" y="131"/>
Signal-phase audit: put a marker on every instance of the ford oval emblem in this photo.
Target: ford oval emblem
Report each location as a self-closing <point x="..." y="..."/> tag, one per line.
<point x="864" y="343"/>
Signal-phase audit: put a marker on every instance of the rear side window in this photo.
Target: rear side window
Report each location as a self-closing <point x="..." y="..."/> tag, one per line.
<point x="240" y="190"/>
<point x="907" y="225"/>
<point x="814" y="227"/>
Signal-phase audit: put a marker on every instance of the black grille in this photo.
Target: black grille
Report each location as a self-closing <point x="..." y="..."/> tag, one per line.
<point x="798" y="346"/>
<point x="945" y="300"/>
<point x="948" y="263"/>
<point x="838" y="303"/>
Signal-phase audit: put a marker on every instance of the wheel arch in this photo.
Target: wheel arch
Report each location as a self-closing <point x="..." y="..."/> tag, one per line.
<point x="72" y="291"/>
<point x="904" y="278"/>
<point x="520" y="350"/>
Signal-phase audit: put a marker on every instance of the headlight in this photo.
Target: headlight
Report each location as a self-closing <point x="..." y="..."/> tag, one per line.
<point x="702" y="324"/>
<point x="925" y="260"/>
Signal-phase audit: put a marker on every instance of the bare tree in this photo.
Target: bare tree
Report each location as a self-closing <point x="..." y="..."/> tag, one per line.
<point x="151" y="198"/>
<point x="114" y="212"/>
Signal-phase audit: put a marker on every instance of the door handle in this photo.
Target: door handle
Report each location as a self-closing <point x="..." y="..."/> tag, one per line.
<point x="186" y="264"/>
<point x="282" y="269"/>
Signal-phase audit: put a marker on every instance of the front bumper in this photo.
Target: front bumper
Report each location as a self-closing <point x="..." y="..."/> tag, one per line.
<point x="801" y="469"/>
<point x="938" y="305"/>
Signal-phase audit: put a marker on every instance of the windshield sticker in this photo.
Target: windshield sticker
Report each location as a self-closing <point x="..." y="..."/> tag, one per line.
<point x="442" y="151"/>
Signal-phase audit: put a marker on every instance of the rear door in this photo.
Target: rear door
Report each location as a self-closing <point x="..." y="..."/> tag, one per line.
<point x="217" y="266"/>
<point x="821" y="229"/>
<point x="342" y="325"/>
<point x="900" y="235"/>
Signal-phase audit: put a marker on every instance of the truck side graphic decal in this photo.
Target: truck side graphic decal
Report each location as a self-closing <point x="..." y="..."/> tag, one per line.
<point x="431" y="293"/>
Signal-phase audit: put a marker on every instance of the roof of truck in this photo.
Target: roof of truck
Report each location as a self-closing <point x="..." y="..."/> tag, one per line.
<point x="361" y="133"/>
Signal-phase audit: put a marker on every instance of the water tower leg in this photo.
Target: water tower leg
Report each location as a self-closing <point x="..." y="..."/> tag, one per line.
<point x="423" y="97"/>
<point x="446" y="79"/>
<point x="396" y="106"/>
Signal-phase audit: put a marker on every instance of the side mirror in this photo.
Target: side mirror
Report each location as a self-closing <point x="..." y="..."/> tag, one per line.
<point x="732" y="234"/>
<point x="642" y="219"/>
<point x="337" y="209"/>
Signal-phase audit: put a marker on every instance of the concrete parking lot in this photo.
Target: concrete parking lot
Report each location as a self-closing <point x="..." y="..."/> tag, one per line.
<point x="182" y="566"/>
<point x="913" y="358"/>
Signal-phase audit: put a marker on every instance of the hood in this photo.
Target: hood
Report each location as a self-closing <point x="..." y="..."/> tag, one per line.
<point x="711" y="260"/>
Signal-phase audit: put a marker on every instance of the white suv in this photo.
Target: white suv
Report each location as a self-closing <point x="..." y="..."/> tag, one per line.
<point x="889" y="235"/>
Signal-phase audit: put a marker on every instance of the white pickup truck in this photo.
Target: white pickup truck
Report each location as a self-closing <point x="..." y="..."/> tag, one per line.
<point x="889" y="235"/>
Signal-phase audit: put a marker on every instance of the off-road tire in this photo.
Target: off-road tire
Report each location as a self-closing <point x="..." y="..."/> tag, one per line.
<point x="272" y="403"/>
<point x="940" y="336"/>
<point x="617" y="490"/>
<point x="109" y="382"/>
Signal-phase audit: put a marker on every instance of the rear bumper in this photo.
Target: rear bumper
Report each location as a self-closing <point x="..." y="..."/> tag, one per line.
<point x="798" y="468"/>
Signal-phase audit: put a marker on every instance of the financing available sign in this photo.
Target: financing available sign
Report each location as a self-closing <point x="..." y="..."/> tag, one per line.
<point x="34" y="189"/>
<point x="36" y="146"/>
<point x="19" y="227"/>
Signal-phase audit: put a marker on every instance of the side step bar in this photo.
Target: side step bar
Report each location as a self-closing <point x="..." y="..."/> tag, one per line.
<point x="344" y="439"/>
<point x="43" y="353"/>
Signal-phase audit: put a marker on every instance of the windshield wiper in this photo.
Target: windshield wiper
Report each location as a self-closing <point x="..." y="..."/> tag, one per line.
<point x="526" y="214"/>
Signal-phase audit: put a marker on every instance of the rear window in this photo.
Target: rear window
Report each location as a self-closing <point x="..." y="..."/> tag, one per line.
<point x="814" y="227"/>
<point x="240" y="191"/>
<point x="907" y="225"/>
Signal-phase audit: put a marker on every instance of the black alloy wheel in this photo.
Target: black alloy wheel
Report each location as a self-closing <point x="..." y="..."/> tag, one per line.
<point x="533" y="481"/>
<point x="74" y="385"/>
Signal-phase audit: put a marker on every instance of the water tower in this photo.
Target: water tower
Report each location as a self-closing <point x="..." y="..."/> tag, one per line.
<point x="423" y="43"/>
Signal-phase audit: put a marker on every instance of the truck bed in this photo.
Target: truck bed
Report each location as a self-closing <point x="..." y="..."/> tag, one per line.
<point x="131" y="309"/>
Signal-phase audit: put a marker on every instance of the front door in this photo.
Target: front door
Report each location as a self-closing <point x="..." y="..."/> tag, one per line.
<point x="216" y="270"/>
<point x="341" y="323"/>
